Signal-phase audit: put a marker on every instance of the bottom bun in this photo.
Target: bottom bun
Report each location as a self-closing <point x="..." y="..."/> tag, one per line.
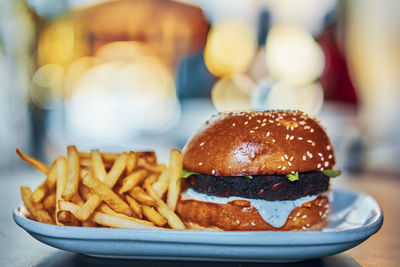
<point x="239" y="215"/>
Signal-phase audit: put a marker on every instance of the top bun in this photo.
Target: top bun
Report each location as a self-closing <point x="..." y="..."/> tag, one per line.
<point x="259" y="143"/>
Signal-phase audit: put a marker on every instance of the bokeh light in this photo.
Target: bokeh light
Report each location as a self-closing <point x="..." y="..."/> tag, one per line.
<point x="292" y="55"/>
<point x="232" y="93"/>
<point x="230" y="48"/>
<point x="307" y="98"/>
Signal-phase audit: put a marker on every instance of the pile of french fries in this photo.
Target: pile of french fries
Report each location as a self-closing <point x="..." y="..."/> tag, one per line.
<point x="126" y="190"/>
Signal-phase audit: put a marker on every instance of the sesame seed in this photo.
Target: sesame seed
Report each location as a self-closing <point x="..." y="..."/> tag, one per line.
<point x="320" y="213"/>
<point x="273" y="141"/>
<point x="300" y="138"/>
<point x="291" y="138"/>
<point x="306" y="127"/>
<point x="252" y="223"/>
<point x="294" y="119"/>
<point x="319" y="165"/>
<point x="326" y="164"/>
<point x="292" y="128"/>
<point x="321" y="169"/>
<point x="320" y="154"/>
<point x="268" y="133"/>
<point x="282" y="158"/>
<point x="271" y="121"/>
<point x="264" y="120"/>
<point x="328" y="147"/>
<point x="255" y="128"/>
<point x="286" y="157"/>
<point x="251" y="131"/>
<point x="304" y="228"/>
<point x="279" y="166"/>
<point x="304" y="158"/>
<point x="202" y="143"/>
<point x="287" y="137"/>
<point x="304" y="216"/>
<point x="308" y="225"/>
<point x="213" y="172"/>
<point x="237" y="222"/>
<point x="233" y="124"/>
<point x="322" y="159"/>
<point x="312" y="130"/>
<point x="302" y="122"/>
<point x="258" y="121"/>
<point x="283" y="168"/>
<point x="278" y="124"/>
<point x="290" y="164"/>
<point x="294" y="219"/>
<point x="200" y="163"/>
<point x="330" y="156"/>
<point x="298" y="214"/>
<point x="287" y="127"/>
<point x="291" y="158"/>
<point x="263" y="124"/>
<point x="246" y="122"/>
<point x="292" y="172"/>
<point x="309" y="141"/>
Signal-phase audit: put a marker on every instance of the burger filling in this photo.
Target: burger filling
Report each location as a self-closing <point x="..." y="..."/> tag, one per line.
<point x="267" y="187"/>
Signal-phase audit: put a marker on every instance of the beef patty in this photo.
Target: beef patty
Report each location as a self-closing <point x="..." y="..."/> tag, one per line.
<point x="268" y="187"/>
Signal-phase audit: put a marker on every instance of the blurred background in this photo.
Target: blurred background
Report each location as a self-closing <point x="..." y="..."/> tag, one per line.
<point x="145" y="74"/>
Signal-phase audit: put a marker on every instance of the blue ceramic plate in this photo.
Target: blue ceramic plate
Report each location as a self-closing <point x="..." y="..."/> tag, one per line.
<point x="355" y="217"/>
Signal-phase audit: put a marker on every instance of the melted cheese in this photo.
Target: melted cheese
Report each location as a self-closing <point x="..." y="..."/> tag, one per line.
<point x="273" y="212"/>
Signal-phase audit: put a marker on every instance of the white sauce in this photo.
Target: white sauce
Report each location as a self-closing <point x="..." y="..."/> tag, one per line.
<point x="273" y="212"/>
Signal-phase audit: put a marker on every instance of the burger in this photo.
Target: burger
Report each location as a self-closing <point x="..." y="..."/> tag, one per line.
<point x="265" y="170"/>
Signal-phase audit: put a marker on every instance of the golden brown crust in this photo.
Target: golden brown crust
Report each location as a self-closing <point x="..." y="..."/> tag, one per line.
<point x="240" y="216"/>
<point x="256" y="143"/>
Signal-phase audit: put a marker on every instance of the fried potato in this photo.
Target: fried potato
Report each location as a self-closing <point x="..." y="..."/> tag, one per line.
<point x="38" y="165"/>
<point x="141" y="196"/>
<point x="61" y="181"/>
<point x="71" y="186"/>
<point x="88" y="207"/>
<point x="137" y="209"/>
<point x="99" y="170"/>
<point x="131" y="162"/>
<point x="39" y="193"/>
<point x="116" y="170"/>
<point x="174" y="182"/>
<point x="151" y="214"/>
<point x="132" y="180"/>
<point x="104" y="192"/>
<point x="36" y="212"/>
<point x="161" y="185"/>
<point x="173" y="220"/>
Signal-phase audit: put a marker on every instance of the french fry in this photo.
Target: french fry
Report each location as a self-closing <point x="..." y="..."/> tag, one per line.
<point x="131" y="162"/>
<point x="36" y="212"/>
<point x="161" y="185"/>
<point x="73" y="209"/>
<point x="88" y="223"/>
<point x="85" y="192"/>
<point x="151" y="214"/>
<point x="38" y="165"/>
<point x="71" y="186"/>
<point x="39" y="193"/>
<point x="173" y="220"/>
<point x="49" y="203"/>
<point x="141" y="196"/>
<point x="99" y="170"/>
<point x="77" y="199"/>
<point x="61" y="181"/>
<point x="101" y="189"/>
<point x="88" y="207"/>
<point x="121" y="221"/>
<point x="132" y="180"/>
<point x="174" y="182"/>
<point x="51" y="178"/>
<point x="137" y="209"/>
<point x="151" y="167"/>
<point x="116" y="170"/>
<point x="148" y="156"/>
<point x="107" y="157"/>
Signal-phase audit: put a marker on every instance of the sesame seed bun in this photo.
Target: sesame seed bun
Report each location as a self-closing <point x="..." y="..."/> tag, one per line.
<point x="241" y="216"/>
<point x="258" y="143"/>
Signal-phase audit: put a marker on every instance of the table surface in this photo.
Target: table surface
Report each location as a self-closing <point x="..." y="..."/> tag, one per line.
<point x="17" y="248"/>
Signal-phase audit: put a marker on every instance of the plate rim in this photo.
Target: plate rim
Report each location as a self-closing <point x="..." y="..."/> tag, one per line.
<point x="239" y="238"/>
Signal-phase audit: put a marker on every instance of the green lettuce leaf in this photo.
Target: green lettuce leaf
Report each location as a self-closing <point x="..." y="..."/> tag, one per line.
<point x="293" y="177"/>
<point x="331" y="173"/>
<point x="186" y="174"/>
